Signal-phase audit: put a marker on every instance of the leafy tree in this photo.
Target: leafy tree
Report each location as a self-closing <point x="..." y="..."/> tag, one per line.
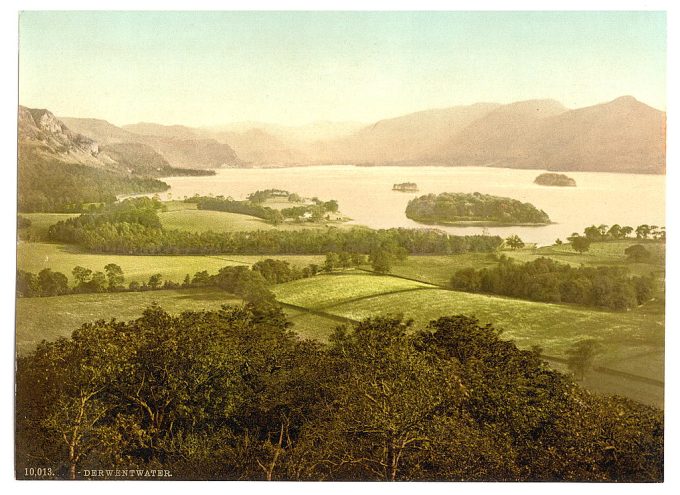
<point x="52" y="283"/>
<point x="27" y="284"/>
<point x="643" y="231"/>
<point x="81" y="275"/>
<point x="580" y="244"/>
<point x="331" y="206"/>
<point x="98" y="282"/>
<point x="345" y="259"/>
<point x="626" y="231"/>
<point x="637" y="253"/>
<point x="581" y="356"/>
<point x="514" y="242"/>
<point x="155" y="281"/>
<point x="201" y="279"/>
<point x="114" y="274"/>
<point x="332" y="262"/>
<point x="381" y="261"/>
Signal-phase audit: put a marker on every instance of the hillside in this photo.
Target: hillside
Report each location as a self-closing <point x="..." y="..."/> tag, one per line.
<point x="499" y="137"/>
<point x="180" y="146"/>
<point x="405" y="139"/>
<point x="623" y="135"/>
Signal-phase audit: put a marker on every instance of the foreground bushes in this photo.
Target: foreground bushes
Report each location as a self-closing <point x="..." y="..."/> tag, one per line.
<point x="234" y="394"/>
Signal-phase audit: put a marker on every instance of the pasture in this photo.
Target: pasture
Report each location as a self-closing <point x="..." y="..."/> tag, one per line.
<point x="189" y="218"/>
<point x="47" y="318"/>
<point x="632" y="341"/>
<point x="610" y="253"/>
<point x="40" y="222"/>
<point x="33" y="257"/>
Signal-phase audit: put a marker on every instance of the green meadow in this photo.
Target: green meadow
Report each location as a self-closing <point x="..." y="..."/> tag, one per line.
<point x="33" y="257"/>
<point x="632" y="341"/>
<point x="47" y="318"/>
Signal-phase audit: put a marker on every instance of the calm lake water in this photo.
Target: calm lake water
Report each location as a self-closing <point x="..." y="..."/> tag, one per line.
<point x="365" y="194"/>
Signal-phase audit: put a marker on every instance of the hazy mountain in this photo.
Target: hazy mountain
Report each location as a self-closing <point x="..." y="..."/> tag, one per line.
<point x="624" y="135"/>
<point x="500" y="137"/>
<point x="180" y="146"/>
<point x="100" y="130"/>
<point x="403" y="139"/>
<point x="259" y="147"/>
<point x="294" y="135"/>
<point x="105" y="146"/>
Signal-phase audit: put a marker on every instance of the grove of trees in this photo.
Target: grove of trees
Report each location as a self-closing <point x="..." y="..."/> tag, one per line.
<point x="465" y="207"/>
<point x="546" y="280"/>
<point x="133" y="227"/>
<point x="235" y="394"/>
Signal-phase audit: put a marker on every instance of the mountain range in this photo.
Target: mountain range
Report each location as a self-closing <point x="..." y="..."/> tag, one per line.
<point x="623" y="135"/>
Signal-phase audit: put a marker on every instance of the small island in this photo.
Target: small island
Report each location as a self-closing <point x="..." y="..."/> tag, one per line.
<point x="551" y="179"/>
<point x="406" y="187"/>
<point x="473" y="209"/>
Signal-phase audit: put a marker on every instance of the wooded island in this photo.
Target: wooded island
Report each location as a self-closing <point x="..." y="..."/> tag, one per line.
<point x="463" y="208"/>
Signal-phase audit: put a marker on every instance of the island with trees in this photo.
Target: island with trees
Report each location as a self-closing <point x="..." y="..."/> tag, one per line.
<point x="474" y="208"/>
<point x="552" y="179"/>
<point x="406" y="187"/>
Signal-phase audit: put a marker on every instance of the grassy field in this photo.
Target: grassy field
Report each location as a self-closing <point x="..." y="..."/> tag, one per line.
<point x="40" y="222"/>
<point x="33" y="257"/>
<point x="632" y="341"/>
<point x="610" y="253"/>
<point x="439" y="269"/>
<point x="189" y="218"/>
<point x="46" y="318"/>
<point x="325" y="291"/>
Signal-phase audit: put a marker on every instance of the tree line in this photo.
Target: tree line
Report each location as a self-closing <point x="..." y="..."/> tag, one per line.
<point x="133" y="227"/>
<point x="234" y="394"/>
<point x="233" y="279"/>
<point x="546" y="280"/>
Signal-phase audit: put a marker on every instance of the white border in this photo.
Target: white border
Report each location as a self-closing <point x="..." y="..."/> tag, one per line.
<point x="8" y="101"/>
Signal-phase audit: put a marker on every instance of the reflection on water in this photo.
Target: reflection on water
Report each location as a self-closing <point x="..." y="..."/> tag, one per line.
<point x="365" y="194"/>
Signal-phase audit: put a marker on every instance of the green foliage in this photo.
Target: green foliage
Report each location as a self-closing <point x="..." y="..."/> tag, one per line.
<point x="252" y="208"/>
<point x="638" y="253"/>
<point x="133" y="227"/>
<point x="552" y="179"/>
<point x="580" y="243"/>
<point x="232" y="394"/>
<point x="546" y="280"/>
<point x="581" y="356"/>
<point x="514" y="242"/>
<point x="475" y="207"/>
<point x="381" y="261"/>
<point x="49" y="185"/>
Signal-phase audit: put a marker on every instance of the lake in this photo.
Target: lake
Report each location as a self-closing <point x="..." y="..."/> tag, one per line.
<point x="365" y="194"/>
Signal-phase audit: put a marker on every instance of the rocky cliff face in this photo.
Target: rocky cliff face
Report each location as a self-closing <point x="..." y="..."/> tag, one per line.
<point x="41" y="128"/>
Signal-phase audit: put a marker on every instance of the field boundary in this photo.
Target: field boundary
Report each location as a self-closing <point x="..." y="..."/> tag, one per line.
<point x="609" y="371"/>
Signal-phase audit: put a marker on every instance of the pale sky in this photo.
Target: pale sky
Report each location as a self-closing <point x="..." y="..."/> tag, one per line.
<point x="208" y="68"/>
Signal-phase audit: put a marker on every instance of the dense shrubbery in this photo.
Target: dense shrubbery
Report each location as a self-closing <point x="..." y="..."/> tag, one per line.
<point x="463" y="207"/>
<point x="233" y="394"/>
<point x="549" y="281"/>
<point x="108" y="231"/>
<point x="53" y="186"/>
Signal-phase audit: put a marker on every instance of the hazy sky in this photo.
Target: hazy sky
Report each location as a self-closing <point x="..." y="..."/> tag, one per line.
<point x="209" y="68"/>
